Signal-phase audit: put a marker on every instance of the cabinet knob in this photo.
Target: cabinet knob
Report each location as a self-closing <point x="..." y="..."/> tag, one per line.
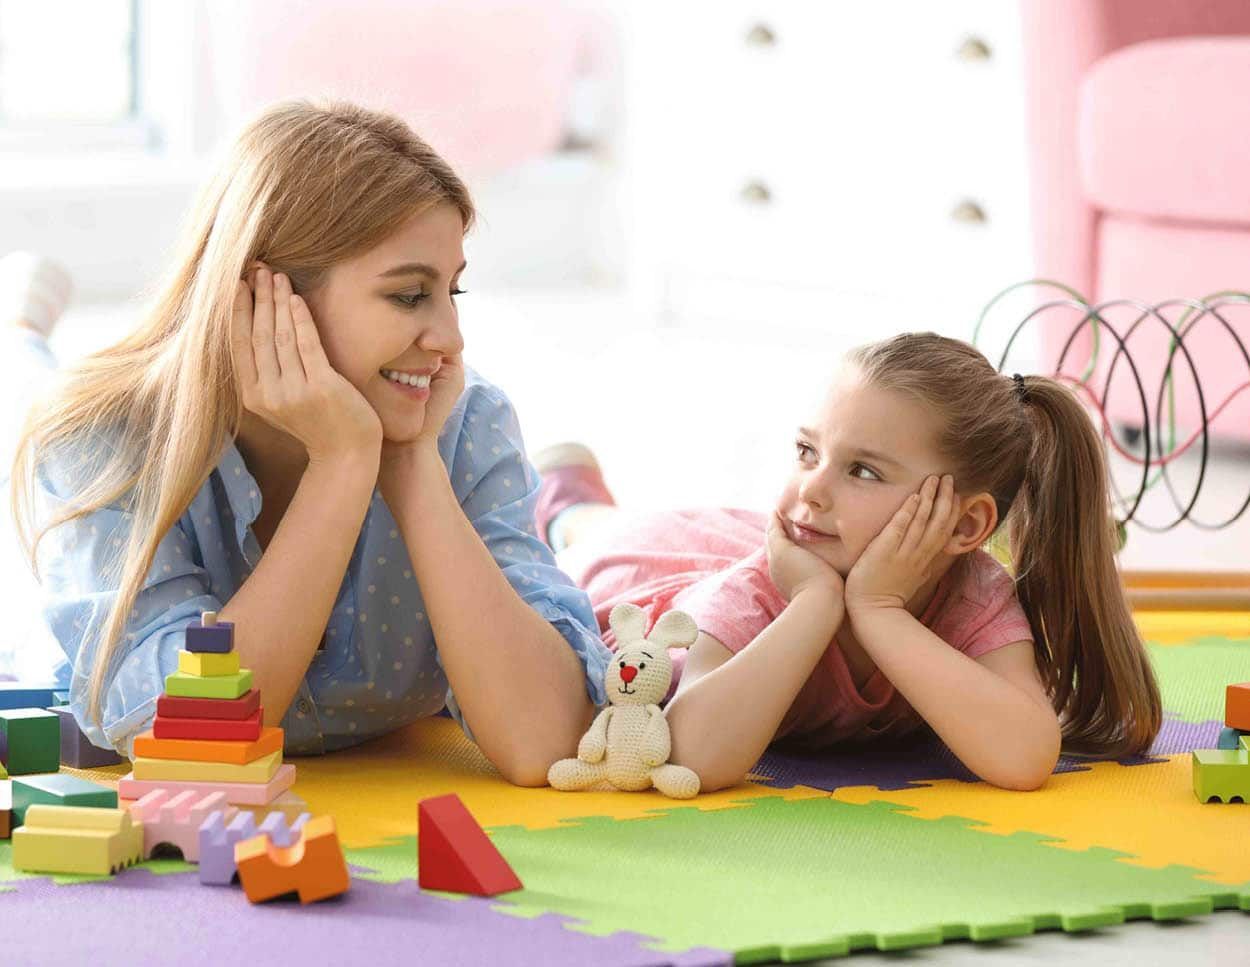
<point x="973" y="50"/>
<point x="969" y="212"/>
<point x="756" y="192"/>
<point x="761" y="35"/>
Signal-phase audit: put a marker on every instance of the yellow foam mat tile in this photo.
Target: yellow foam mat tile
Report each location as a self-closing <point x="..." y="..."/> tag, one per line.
<point x="373" y="790"/>
<point x="1148" y="811"/>
<point x="1175" y="627"/>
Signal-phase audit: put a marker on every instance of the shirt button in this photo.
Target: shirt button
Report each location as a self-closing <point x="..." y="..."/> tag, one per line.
<point x="303" y="705"/>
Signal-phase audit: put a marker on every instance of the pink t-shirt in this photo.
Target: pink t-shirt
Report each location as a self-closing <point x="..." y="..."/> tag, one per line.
<point x="712" y="564"/>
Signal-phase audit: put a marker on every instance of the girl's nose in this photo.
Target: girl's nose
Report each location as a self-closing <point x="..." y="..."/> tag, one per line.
<point x="443" y="335"/>
<point x="628" y="674"/>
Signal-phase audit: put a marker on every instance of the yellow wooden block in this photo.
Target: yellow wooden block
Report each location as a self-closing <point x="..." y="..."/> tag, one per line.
<point x="77" y="839"/>
<point x="207" y="664"/>
<point x="185" y="770"/>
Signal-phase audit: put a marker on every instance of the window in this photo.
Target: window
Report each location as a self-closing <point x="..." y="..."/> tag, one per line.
<point x="69" y="75"/>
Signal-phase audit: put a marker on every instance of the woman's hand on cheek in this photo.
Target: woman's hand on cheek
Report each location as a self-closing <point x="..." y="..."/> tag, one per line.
<point x="793" y="568"/>
<point x="445" y="388"/>
<point x="399" y="477"/>
<point x="900" y="559"/>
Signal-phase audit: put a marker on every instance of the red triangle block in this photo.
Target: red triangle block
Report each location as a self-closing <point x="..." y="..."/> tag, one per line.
<point x="455" y="854"/>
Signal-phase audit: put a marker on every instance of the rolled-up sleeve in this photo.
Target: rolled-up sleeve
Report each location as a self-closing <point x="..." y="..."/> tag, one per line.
<point x="498" y="488"/>
<point x="80" y="565"/>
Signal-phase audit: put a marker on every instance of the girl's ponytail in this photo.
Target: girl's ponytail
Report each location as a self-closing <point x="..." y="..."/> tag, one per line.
<point x="1063" y="542"/>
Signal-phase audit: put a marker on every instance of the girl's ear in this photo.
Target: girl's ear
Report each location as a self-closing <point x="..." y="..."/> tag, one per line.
<point x="978" y="518"/>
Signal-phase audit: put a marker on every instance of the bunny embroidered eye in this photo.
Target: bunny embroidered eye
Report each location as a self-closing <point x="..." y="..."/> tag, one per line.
<point x="642" y="665"/>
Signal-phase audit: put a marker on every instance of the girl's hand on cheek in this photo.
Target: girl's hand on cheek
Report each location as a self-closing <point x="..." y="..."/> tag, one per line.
<point x="794" y="568"/>
<point x="902" y="557"/>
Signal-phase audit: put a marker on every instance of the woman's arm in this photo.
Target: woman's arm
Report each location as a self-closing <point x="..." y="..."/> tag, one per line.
<point x="1004" y="731"/>
<point x="728" y="707"/>
<point x="280" y="612"/>
<point x="516" y="680"/>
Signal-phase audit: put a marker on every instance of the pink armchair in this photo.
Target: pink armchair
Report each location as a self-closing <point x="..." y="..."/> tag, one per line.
<point x="1140" y="179"/>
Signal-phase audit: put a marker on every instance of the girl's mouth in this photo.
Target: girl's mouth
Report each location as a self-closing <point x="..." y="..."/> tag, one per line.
<point x="802" y="533"/>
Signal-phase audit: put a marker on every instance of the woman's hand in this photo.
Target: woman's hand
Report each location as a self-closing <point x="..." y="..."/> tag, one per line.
<point x="446" y="385"/>
<point x="901" y="558"/>
<point x="285" y="377"/>
<point x="402" y="464"/>
<point x="794" y="568"/>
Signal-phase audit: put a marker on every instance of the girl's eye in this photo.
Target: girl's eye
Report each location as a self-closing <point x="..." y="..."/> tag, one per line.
<point x="860" y="466"/>
<point x="803" y="450"/>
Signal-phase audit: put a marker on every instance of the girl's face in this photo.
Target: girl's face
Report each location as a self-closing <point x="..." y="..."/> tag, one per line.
<point x="866" y="450"/>
<point x="394" y="308"/>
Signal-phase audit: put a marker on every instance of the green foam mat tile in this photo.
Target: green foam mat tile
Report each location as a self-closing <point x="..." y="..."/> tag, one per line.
<point x="819" y="878"/>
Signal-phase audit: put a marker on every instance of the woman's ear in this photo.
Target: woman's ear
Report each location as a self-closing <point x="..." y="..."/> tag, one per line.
<point x="978" y="517"/>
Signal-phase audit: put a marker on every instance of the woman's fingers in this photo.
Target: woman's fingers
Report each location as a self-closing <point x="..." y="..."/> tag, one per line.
<point x="241" y="337"/>
<point x="266" y="356"/>
<point x="289" y="362"/>
<point x="307" y="339"/>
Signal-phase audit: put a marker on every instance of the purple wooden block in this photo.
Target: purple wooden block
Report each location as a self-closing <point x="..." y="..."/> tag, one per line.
<point x="279" y="833"/>
<point x="217" y="639"/>
<point x="77" y="750"/>
<point x="217" y="846"/>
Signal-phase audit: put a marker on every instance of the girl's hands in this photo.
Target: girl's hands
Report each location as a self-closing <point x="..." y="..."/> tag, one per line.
<point x="901" y="558"/>
<point x="794" y="568"/>
<point x="284" y="375"/>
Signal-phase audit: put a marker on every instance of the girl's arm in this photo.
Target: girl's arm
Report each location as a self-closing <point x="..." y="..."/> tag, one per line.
<point x="1003" y="730"/>
<point x="997" y="721"/>
<point x="280" y="612"/>
<point x="728" y="707"/>
<point x="518" y="683"/>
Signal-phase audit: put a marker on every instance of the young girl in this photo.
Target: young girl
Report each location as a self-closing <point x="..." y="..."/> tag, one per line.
<point x="864" y="603"/>
<point x="291" y="439"/>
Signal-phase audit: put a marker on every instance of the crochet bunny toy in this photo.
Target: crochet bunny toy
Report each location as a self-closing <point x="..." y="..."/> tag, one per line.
<point x="628" y="744"/>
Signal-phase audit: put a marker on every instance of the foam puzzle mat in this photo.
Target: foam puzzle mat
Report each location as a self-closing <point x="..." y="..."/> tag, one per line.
<point x="881" y="847"/>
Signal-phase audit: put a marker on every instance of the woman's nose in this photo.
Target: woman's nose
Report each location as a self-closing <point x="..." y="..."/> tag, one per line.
<point x="443" y="335"/>
<point x="628" y="674"/>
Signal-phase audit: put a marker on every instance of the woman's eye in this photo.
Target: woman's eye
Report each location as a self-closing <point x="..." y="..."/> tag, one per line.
<point x="802" y="451"/>
<point x="410" y="301"/>
<point x="868" y="470"/>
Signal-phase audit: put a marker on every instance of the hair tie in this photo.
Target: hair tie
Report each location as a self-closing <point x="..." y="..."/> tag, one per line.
<point x="1022" y="391"/>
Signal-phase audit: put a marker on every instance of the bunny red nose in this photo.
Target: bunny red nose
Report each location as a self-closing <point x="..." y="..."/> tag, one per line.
<point x="628" y="674"/>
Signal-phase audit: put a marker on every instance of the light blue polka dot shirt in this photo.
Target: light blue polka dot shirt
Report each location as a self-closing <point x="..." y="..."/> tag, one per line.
<point x="377" y="668"/>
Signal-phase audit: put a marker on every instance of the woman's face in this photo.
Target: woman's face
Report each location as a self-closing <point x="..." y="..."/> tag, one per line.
<point x="865" y="451"/>
<point x="393" y="309"/>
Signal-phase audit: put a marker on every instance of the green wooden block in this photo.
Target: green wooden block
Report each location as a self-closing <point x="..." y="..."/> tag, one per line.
<point x="58" y="789"/>
<point x="1221" y="774"/>
<point x="213" y="686"/>
<point x="30" y="741"/>
<point x="1245" y="743"/>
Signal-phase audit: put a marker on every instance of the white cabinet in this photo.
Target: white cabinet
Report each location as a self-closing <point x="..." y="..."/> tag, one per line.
<point x="804" y="163"/>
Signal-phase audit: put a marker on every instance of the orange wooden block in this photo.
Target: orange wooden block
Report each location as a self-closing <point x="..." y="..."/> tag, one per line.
<point x="209" y="750"/>
<point x="1237" y="707"/>
<point x="313" y="866"/>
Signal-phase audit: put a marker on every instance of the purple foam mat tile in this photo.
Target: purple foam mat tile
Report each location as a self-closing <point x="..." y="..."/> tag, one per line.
<point x="914" y="761"/>
<point x="138" y="917"/>
<point x="888" y="764"/>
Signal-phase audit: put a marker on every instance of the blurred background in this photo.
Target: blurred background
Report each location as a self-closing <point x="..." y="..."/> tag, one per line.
<point x="688" y="211"/>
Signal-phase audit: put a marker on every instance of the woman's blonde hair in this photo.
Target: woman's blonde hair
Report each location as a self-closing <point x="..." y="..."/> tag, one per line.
<point x="1034" y="449"/>
<point x="142" y="423"/>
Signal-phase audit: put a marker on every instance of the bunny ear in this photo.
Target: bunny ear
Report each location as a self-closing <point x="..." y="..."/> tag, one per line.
<point x="628" y="622"/>
<point x="675" y="629"/>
